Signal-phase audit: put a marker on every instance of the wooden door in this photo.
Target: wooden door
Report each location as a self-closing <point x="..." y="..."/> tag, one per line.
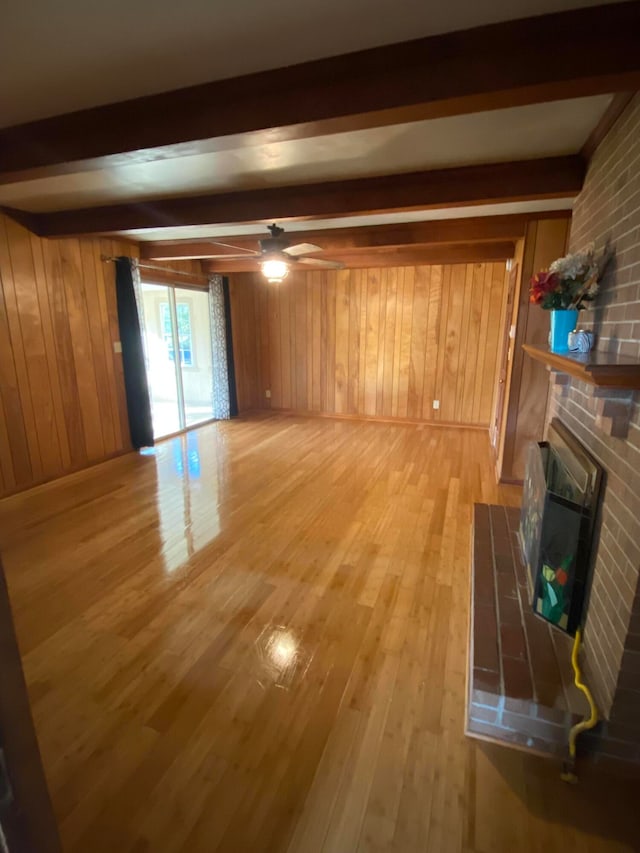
<point x="27" y="823"/>
<point x="506" y="354"/>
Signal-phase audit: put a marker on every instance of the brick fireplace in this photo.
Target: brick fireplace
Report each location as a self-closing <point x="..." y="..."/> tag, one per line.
<point x="607" y="212"/>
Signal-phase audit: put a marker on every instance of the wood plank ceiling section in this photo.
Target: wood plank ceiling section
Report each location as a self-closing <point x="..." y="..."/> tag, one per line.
<point x="437" y="76"/>
<point x="416" y="127"/>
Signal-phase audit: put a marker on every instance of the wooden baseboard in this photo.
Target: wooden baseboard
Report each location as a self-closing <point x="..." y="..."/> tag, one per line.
<point x="40" y="485"/>
<point x="302" y="413"/>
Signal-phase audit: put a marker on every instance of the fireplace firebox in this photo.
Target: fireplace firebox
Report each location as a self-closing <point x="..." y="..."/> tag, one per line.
<point x="559" y="506"/>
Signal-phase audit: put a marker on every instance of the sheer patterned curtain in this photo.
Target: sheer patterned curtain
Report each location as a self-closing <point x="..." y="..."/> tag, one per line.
<point x="137" y="291"/>
<point x="221" y="401"/>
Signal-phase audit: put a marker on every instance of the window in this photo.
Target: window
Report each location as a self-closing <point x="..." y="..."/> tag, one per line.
<point x="185" y="339"/>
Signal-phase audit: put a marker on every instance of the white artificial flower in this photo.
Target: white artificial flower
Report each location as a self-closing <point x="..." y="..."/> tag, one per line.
<point x="580" y="265"/>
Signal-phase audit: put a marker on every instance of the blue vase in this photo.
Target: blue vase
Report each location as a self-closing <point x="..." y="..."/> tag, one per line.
<point x="563" y="321"/>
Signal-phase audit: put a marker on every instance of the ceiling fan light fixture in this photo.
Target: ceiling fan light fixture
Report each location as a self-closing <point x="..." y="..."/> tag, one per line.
<point x="275" y="269"/>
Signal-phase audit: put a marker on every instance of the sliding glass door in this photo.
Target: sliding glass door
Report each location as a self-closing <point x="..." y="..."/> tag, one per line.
<point x="178" y="352"/>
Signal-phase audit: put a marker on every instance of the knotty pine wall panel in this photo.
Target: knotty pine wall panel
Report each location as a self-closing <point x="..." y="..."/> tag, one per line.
<point x="375" y="343"/>
<point x="62" y="399"/>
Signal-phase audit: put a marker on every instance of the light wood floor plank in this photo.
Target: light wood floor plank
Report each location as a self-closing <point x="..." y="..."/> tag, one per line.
<point x="255" y="640"/>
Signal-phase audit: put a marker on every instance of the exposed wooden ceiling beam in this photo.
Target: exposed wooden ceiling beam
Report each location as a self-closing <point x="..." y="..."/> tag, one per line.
<point x="454" y="253"/>
<point x="553" y="177"/>
<point x="464" y="230"/>
<point x="550" y="57"/>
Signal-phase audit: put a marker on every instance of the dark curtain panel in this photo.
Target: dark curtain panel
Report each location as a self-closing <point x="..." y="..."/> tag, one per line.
<point x="231" y="370"/>
<point x="135" y="374"/>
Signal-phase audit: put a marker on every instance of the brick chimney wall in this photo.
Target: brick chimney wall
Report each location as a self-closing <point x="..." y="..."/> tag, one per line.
<point x="607" y="211"/>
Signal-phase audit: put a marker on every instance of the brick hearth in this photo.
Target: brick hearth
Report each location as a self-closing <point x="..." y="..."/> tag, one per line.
<point x="521" y="690"/>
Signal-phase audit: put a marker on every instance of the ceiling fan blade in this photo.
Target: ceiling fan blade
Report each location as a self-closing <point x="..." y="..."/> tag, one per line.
<point x="320" y="262"/>
<point x="229" y="257"/>
<point x="302" y="249"/>
<point x="246" y="252"/>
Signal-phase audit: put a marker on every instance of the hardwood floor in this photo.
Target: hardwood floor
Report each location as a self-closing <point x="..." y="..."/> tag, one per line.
<point x="255" y="640"/>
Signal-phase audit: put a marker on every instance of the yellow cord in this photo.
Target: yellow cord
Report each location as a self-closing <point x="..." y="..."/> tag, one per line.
<point x="583" y="725"/>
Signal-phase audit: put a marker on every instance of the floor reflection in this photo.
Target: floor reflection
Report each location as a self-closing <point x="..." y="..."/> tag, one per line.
<point x="281" y="656"/>
<point x="188" y="506"/>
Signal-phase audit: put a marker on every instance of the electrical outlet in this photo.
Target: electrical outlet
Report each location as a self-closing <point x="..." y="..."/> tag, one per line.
<point x="267" y="394"/>
<point x="436" y="404"/>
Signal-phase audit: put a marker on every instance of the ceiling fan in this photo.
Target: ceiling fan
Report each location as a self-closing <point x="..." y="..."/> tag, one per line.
<point x="276" y="255"/>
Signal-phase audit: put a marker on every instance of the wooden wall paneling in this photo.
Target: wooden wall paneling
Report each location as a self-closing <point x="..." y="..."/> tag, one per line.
<point x="308" y="319"/>
<point x="497" y="321"/>
<point x="27" y="413"/>
<point x="105" y="280"/>
<point x="476" y="333"/>
<point x="323" y="339"/>
<point x="397" y="340"/>
<point x="114" y="248"/>
<point x="41" y="284"/>
<point x="506" y="471"/>
<point x="363" y="281"/>
<point x="544" y="241"/>
<point x="7" y="471"/>
<point x="253" y="328"/>
<point x="371" y="309"/>
<point x="342" y="326"/>
<point x="240" y="358"/>
<point x="442" y="339"/>
<point x="35" y="362"/>
<point x="62" y="399"/>
<point x="419" y="321"/>
<point x="374" y="343"/>
<point x="551" y="242"/>
<point x="30" y="313"/>
<point x="382" y="323"/>
<point x="465" y="353"/>
<point x="82" y="348"/>
<point x="253" y="296"/>
<point x="503" y="419"/>
<point x="452" y="343"/>
<point x="97" y="323"/>
<point x="494" y="287"/>
<point x="293" y="361"/>
<point x="15" y="455"/>
<point x="245" y="342"/>
<point x="285" y="343"/>
<point x="354" y="342"/>
<point x="65" y="363"/>
<point x="331" y="281"/>
<point x="405" y="341"/>
<point x="301" y="354"/>
<point x="275" y="347"/>
<point x="264" y="358"/>
<point x="314" y="316"/>
<point x="482" y="306"/>
<point x="188" y="271"/>
<point x="431" y="345"/>
<point x="389" y="308"/>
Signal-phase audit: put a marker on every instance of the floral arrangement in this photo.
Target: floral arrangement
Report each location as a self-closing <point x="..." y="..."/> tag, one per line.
<point x="568" y="283"/>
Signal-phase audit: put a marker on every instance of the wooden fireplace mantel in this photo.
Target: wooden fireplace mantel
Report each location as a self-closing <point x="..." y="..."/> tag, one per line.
<point x="603" y="370"/>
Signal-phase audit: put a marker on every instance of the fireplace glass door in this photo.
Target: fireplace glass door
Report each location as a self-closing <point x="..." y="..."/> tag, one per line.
<point x="556" y="526"/>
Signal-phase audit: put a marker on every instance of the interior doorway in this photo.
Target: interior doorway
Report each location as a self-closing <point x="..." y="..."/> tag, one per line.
<point x="178" y="356"/>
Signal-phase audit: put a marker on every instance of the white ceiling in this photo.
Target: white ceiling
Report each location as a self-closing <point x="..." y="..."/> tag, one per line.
<point x="202" y="232"/>
<point x="518" y="133"/>
<point x="73" y="54"/>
